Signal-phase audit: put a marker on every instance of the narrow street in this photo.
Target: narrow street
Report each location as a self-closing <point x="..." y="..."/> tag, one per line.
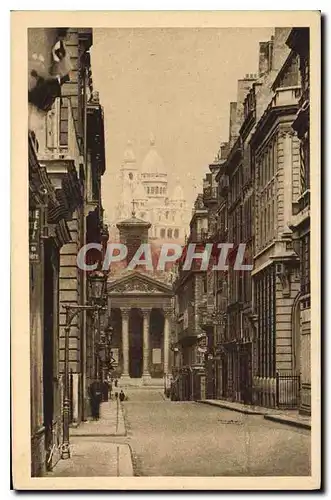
<point x="190" y="439"/>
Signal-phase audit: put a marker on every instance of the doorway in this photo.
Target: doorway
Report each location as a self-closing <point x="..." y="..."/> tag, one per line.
<point x="135" y="343"/>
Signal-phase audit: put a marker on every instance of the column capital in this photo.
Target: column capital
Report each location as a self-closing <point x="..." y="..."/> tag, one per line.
<point x="125" y="312"/>
<point x="286" y="131"/>
<point x="167" y="311"/>
<point x="145" y="311"/>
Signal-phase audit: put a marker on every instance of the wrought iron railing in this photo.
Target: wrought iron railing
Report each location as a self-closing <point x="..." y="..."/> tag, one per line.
<point x="287" y="390"/>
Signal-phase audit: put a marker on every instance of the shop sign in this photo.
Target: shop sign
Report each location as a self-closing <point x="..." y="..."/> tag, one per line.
<point x="34" y="235"/>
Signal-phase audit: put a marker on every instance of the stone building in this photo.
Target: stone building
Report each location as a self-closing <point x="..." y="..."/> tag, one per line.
<point x="257" y="323"/>
<point x="148" y="187"/>
<point x="275" y="153"/>
<point x="298" y="41"/>
<point x="140" y="309"/>
<point x="190" y="290"/>
<point x="60" y="93"/>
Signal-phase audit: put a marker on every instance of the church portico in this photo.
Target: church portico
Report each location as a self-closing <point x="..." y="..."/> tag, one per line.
<point x="141" y="310"/>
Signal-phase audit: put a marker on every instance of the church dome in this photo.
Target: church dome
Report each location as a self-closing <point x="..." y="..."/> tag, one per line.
<point x="153" y="163"/>
<point x="178" y="193"/>
<point x="129" y="156"/>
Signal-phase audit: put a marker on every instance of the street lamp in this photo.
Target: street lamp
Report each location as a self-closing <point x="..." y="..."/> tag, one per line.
<point x="97" y="286"/>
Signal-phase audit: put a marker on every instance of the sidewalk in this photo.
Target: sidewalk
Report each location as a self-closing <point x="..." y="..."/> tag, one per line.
<point x="289" y="417"/>
<point x="91" y="454"/>
<point x="111" y="422"/>
<point x="95" y="458"/>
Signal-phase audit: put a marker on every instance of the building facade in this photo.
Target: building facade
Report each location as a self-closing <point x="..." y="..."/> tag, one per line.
<point x="190" y="288"/>
<point x="63" y="166"/>
<point x="298" y="41"/>
<point x="257" y="323"/>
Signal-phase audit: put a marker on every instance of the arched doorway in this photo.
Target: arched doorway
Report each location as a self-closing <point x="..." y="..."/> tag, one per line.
<point x="156" y="328"/>
<point x="135" y="343"/>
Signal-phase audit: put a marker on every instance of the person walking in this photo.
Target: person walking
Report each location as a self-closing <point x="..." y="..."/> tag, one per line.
<point x="105" y="390"/>
<point x="95" y="399"/>
<point x="110" y="386"/>
<point x="122" y="396"/>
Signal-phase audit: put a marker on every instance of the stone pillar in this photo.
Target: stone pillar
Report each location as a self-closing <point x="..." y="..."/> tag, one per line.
<point x="166" y="335"/>
<point x="125" y="342"/>
<point x="146" y="316"/>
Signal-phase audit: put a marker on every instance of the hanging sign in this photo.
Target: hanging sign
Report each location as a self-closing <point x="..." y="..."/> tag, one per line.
<point x="34" y="235"/>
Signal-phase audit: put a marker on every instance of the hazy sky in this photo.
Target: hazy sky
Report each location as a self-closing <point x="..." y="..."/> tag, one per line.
<point x="176" y="83"/>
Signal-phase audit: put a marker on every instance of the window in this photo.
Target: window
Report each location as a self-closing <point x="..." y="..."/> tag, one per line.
<point x="264" y="290"/>
<point x="147" y="189"/>
<point x="130" y="176"/>
<point x="305" y="264"/>
<point x="162" y="233"/>
<point x="152" y="190"/>
<point x="167" y="215"/>
<point x="169" y="233"/>
<point x="204" y="283"/>
<point x="157" y="190"/>
<point x="176" y="233"/>
<point x="63" y="122"/>
<point x="304" y="167"/>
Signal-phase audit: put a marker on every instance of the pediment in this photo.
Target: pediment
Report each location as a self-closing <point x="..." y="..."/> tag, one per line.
<point x="138" y="283"/>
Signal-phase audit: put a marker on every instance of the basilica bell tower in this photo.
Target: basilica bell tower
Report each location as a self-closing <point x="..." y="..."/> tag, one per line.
<point x="133" y="232"/>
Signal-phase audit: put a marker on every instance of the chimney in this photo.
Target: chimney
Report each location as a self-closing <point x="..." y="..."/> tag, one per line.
<point x="281" y="50"/>
<point x="233" y="132"/>
<point x="243" y="89"/>
<point x="265" y="57"/>
<point x="224" y="150"/>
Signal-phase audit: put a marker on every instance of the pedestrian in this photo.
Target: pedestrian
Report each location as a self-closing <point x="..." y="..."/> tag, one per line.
<point x="116" y="382"/>
<point x="110" y="385"/>
<point x="116" y="395"/>
<point x="105" y="390"/>
<point x="95" y="399"/>
<point x="122" y="395"/>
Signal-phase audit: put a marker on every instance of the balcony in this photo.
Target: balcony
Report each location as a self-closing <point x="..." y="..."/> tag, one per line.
<point x="223" y="185"/>
<point x="209" y="194"/>
<point x="198" y="236"/>
<point x="57" y="138"/>
<point x="286" y="96"/>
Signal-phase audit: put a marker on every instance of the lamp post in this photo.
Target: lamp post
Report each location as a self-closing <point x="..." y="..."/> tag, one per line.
<point x="97" y="290"/>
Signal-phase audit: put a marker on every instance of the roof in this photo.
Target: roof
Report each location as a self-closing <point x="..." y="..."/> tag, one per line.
<point x="133" y="221"/>
<point x="153" y="163"/>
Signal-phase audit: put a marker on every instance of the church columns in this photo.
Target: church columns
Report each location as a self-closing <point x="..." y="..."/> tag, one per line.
<point x="166" y="341"/>
<point x="146" y="317"/>
<point x="125" y="342"/>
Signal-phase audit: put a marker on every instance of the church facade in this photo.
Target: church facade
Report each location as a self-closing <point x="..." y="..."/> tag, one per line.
<point x="146" y="188"/>
<point x="141" y="315"/>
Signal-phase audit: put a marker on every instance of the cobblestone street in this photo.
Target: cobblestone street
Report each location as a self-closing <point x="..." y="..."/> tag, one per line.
<point x="191" y="439"/>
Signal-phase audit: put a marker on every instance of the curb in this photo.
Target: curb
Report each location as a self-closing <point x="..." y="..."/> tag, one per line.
<point x="228" y="407"/>
<point x="100" y="434"/>
<point x="286" y="421"/>
<point x="125" y="466"/>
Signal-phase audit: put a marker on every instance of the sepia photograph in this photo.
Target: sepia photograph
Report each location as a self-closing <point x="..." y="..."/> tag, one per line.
<point x="167" y="176"/>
